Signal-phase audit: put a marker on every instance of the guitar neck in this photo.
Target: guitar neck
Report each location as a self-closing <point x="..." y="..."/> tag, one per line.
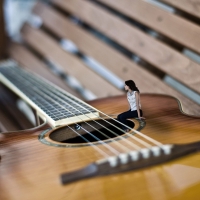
<point x="51" y="102"/>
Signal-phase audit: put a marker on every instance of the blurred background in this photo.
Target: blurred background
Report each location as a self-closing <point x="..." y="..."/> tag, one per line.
<point x="154" y="42"/>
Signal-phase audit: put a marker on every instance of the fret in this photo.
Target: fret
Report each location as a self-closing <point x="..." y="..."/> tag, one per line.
<point x="58" y="106"/>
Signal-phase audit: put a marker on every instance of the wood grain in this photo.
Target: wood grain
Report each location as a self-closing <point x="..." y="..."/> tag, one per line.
<point x="190" y="6"/>
<point x="176" y="28"/>
<point x="68" y="62"/>
<point x="104" y="54"/>
<point x="28" y="165"/>
<point x="153" y="51"/>
<point x="25" y="58"/>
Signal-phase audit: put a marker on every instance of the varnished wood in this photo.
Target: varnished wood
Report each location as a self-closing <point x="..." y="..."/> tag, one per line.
<point x="68" y="62"/>
<point x="153" y="51"/>
<point x="172" y="26"/>
<point x="34" y="168"/>
<point x="31" y="170"/>
<point x="160" y="114"/>
<point x="191" y="7"/>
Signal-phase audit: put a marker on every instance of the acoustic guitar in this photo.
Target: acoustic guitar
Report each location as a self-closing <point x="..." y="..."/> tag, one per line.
<point x="80" y="152"/>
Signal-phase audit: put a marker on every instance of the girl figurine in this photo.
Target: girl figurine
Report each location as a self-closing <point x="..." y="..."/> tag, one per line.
<point x="133" y="97"/>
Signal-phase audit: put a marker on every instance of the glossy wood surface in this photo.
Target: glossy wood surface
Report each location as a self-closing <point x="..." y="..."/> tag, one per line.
<point x="30" y="170"/>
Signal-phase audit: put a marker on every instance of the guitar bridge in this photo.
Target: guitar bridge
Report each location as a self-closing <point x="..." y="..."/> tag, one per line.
<point x="130" y="161"/>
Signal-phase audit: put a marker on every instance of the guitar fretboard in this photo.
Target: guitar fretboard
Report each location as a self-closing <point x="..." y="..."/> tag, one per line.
<point x="55" y="104"/>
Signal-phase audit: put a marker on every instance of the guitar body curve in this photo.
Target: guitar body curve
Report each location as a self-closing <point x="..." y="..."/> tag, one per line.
<point x="30" y="170"/>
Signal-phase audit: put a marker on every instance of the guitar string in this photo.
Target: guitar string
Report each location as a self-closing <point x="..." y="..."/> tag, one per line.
<point x="139" y="133"/>
<point x="125" y="148"/>
<point x="131" y="144"/>
<point x="121" y="146"/>
<point x="109" y="148"/>
<point x="92" y="144"/>
<point x="148" y="138"/>
<point x="11" y="160"/>
<point x="135" y="138"/>
<point x="101" y="141"/>
<point x="131" y="135"/>
<point x="65" y="108"/>
<point x="98" y="149"/>
<point x="105" y="144"/>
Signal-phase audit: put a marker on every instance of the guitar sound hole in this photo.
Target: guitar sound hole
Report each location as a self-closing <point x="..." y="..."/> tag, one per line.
<point x="88" y="132"/>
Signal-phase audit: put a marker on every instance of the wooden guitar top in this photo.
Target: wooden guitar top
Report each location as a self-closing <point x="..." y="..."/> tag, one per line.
<point x="30" y="170"/>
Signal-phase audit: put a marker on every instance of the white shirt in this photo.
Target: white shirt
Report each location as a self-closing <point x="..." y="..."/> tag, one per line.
<point x="132" y="100"/>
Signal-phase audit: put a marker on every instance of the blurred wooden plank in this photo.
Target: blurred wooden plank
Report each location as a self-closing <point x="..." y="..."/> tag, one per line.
<point x="192" y="7"/>
<point x="6" y="124"/>
<point x="22" y="55"/>
<point x="168" y="24"/>
<point x="2" y="31"/>
<point x="121" y="66"/>
<point x="13" y="118"/>
<point x="70" y="64"/>
<point x="153" y="51"/>
<point x="87" y="43"/>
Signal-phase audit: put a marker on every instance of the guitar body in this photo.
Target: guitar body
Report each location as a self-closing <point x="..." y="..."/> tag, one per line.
<point x="30" y="170"/>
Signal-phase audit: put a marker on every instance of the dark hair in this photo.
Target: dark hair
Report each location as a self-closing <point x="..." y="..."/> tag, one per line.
<point x="131" y="85"/>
